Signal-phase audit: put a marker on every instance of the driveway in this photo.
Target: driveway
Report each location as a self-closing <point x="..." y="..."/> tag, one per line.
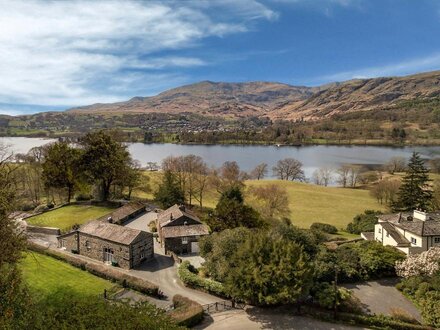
<point x="162" y="271"/>
<point x="381" y="297"/>
<point x="142" y="222"/>
<point x="257" y="318"/>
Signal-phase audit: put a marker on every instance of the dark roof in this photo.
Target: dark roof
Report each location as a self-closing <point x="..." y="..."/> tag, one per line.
<point x="173" y="213"/>
<point x="406" y="221"/>
<point x="186" y="230"/>
<point x="368" y="235"/>
<point x="398" y="237"/>
<point x="111" y="232"/>
<point x="123" y="211"/>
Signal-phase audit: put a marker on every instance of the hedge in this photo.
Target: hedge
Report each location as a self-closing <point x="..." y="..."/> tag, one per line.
<point x="324" y="227"/>
<point x="194" y="281"/>
<point x="108" y="273"/>
<point x="186" y="312"/>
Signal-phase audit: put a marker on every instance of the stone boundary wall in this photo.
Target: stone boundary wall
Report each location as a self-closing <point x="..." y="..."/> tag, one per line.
<point x="43" y="230"/>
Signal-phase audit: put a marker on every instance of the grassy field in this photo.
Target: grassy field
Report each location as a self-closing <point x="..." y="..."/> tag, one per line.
<point x="65" y="217"/>
<point x="45" y="275"/>
<point x="308" y="203"/>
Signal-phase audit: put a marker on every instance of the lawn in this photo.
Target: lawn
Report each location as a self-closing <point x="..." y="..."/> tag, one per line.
<point x="46" y="275"/>
<point x="308" y="202"/>
<point x="65" y="217"/>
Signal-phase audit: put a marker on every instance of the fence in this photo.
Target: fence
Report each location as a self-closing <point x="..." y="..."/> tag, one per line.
<point x="221" y="306"/>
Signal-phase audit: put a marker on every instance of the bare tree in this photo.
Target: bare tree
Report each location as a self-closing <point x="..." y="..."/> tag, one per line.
<point x="289" y="169"/>
<point x="349" y="175"/>
<point x="386" y="191"/>
<point x="396" y="164"/>
<point x="260" y="171"/>
<point x="354" y="175"/>
<point x="323" y="176"/>
<point x="228" y="175"/>
<point x="271" y="201"/>
<point x="343" y="175"/>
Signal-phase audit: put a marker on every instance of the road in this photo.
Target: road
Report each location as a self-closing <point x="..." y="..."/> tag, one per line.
<point x="257" y="318"/>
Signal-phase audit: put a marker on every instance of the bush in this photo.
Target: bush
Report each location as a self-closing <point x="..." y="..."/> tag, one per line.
<point x="363" y="222"/>
<point x="27" y="207"/>
<point x="187" y="312"/>
<point x="83" y="197"/>
<point x="324" y="295"/>
<point x="194" y="281"/>
<point x="430" y="308"/>
<point x="41" y="208"/>
<point x="401" y="315"/>
<point x="152" y="226"/>
<point x="324" y="227"/>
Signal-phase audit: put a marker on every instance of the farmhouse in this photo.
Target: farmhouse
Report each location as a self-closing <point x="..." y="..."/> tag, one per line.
<point x="109" y="243"/>
<point x="412" y="232"/>
<point x="179" y="230"/>
<point x="106" y="240"/>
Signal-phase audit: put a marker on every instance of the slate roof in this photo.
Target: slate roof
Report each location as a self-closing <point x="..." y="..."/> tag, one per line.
<point x="186" y="230"/>
<point x="429" y="227"/>
<point x="398" y="237"/>
<point x="369" y="235"/>
<point x="173" y="213"/>
<point x="123" y="212"/>
<point x="111" y="232"/>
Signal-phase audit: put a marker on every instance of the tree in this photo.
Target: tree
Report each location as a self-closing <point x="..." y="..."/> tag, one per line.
<point x="227" y="176"/>
<point x="414" y="193"/>
<point x="271" y="201"/>
<point x="103" y="160"/>
<point x="395" y="164"/>
<point x="60" y="167"/>
<point x="363" y="222"/>
<point x="268" y="270"/>
<point x="169" y="192"/>
<point x="385" y="191"/>
<point x="231" y="212"/>
<point x="260" y="171"/>
<point x="289" y="169"/>
<point x="130" y="178"/>
<point x="323" y="176"/>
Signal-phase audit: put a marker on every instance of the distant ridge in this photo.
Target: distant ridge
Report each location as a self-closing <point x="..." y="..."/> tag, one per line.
<point x="277" y="100"/>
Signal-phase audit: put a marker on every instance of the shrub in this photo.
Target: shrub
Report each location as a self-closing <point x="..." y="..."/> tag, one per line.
<point x="426" y="263"/>
<point x="324" y="227"/>
<point x="152" y="226"/>
<point x="363" y="222"/>
<point x="187" y="312"/>
<point x="324" y="295"/>
<point x="430" y="308"/>
<point x="83" y="197"/>
<point x="41" y="208"/>
<point x="194" y="281"/>
<point x="401" y="315"/>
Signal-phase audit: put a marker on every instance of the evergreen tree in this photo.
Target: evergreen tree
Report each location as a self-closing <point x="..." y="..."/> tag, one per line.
<point x="268" y="269"/>
<point x="169" y="192"/>
<point x="414" y="193"/>
<point x="231" y="212"/>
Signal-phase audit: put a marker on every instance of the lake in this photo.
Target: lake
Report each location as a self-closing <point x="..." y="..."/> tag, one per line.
<point x="248" y="156"/>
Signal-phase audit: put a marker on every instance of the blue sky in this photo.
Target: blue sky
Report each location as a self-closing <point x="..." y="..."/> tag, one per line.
<point x="56" y="55"/>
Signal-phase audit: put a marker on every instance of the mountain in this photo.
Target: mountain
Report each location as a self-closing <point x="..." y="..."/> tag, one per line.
<point x="212" y="98"/>
<point x="280" y="101"/>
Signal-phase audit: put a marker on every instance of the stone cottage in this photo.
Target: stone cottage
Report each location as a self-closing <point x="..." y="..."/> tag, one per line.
<point x="109" y="243"/>
<point x="179" y="230"/>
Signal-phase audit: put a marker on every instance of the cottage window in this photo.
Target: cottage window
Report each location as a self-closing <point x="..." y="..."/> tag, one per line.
<point x="88" y="246"/>
<point x="108" y="255"/>
<point x="436" y="239"/>
<point x="380" y="230"/>
<point x="62" y="243"/>
<point x="142" y="254"/>
<point x="413" y="240"/>
<point x="388" y="235"/>
<point x="184" y="240"/>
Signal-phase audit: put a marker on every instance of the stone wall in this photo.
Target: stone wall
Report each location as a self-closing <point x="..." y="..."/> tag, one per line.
<point x="93" y="247"/>
<point x="69" y="242"/>
<point x="142" y="249"/>
<point x="175" y="244"/>
<point x="43" y="230"/>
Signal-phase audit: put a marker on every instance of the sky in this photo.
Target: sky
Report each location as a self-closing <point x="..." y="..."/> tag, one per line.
<point x="56" y="55"/>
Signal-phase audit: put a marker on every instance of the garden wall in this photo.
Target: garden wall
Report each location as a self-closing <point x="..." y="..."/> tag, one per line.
<point x="43" y="230"/>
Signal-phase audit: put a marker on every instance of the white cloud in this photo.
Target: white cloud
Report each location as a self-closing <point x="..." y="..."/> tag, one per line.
<point x="81" y="52"/>
<point x="411" y="66"/>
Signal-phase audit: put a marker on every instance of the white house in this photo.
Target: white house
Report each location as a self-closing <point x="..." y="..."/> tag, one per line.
<point x="409" y="232"/>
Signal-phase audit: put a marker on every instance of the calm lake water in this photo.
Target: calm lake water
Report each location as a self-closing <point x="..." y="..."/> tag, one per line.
<point x="248" y="157"/>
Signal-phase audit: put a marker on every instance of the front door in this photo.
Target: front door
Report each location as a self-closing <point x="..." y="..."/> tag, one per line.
<point x="195" y="247"/>
<point x="108" y="255"/>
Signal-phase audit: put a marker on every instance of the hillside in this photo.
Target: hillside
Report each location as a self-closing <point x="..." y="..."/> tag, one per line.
<point x="212" y="98"/>
<point x="279" y="101"/>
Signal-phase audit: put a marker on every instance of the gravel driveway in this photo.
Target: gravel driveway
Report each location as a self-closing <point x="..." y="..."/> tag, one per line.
<point x="380" y="297"/>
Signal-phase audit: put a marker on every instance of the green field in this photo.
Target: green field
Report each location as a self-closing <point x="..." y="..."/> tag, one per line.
<point x="65" y="217"/>
<point x="46" y="275"/>
<point x="308" y="202"/>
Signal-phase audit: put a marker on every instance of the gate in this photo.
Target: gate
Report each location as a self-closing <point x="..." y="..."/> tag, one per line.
<point x="221" y="306"/>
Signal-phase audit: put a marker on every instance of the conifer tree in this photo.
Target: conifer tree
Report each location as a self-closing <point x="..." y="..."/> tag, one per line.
<point x="415" y="192"/>
<point x="169" y="192"/>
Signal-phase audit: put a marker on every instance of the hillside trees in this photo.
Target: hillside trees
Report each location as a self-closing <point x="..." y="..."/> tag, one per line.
<point x="259" y="172"/>
<point x="271" y="201"/>
<point x="170" y="191"/>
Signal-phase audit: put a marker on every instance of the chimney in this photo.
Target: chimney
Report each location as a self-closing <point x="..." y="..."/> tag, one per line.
<point x="420" y="215"/>
<point x="182" y="208"/>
